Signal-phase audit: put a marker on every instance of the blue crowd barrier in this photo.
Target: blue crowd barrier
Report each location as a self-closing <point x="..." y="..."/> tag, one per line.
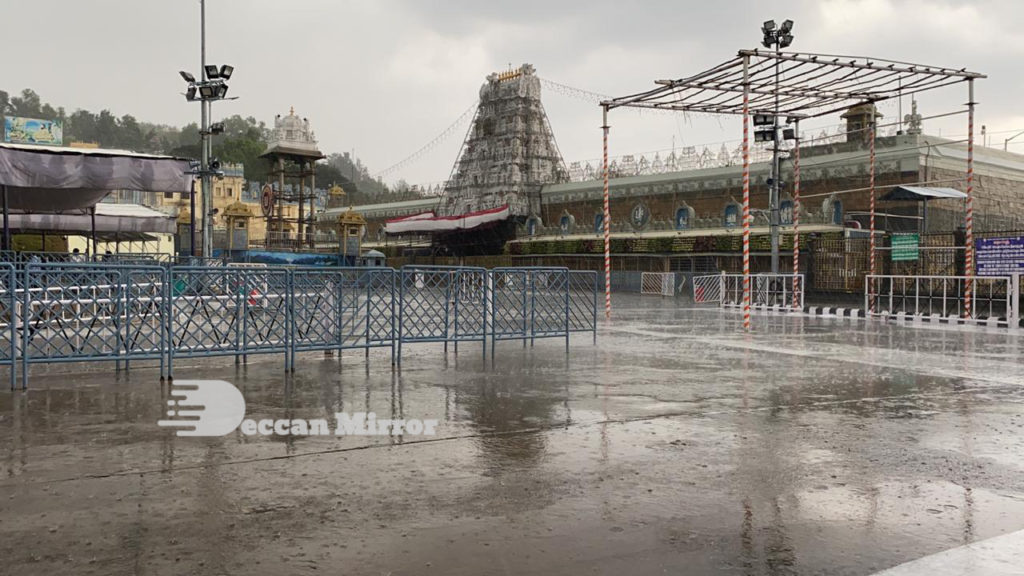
<point x="8" y="319"/>
<point x="343" y="308"/>
<point x="528" y="303"/>
<point x="446" y="304"/>
<point x="86" y="312"/>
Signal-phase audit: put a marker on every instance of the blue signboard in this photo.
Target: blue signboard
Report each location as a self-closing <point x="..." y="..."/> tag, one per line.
<point x="999" y="256"/>
<point x="19" y="130"/>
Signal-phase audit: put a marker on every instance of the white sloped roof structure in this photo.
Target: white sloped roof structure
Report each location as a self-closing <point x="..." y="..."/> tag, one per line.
<point x="110" y="218"/>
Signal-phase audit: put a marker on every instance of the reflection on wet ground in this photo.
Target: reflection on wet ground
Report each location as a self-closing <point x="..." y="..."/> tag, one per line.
<point x="676" y="445"/>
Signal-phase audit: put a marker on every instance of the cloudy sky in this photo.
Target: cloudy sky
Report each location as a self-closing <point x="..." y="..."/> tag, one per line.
<point x="384" y="77"/>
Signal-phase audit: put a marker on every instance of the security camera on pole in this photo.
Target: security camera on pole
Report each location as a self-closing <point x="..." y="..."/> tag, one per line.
<point x="780" y="38"/>
<point x="212" y="86"/>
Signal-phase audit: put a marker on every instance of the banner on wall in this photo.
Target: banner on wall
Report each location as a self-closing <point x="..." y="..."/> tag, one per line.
<point x="18" y="130"/>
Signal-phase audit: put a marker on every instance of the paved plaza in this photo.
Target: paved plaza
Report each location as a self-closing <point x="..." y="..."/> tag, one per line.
<point x="677" y="444"/>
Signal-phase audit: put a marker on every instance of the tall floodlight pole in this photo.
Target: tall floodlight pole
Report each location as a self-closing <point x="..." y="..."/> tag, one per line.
<point x="779" y="38"/>
<point x="204" y="135"/>
<point x="211" y="85"/>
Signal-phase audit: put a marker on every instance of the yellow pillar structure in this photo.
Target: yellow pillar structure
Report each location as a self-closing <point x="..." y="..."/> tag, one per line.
<point x="350" y="236"/>
<point x="236" y="217"/>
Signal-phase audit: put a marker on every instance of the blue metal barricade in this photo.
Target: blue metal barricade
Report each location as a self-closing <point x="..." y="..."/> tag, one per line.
<point x="583" y="290"/>
<point x="8" y="320"/>
<point x="509" y="305"/>
<point x="88" y="312"/>
<point x="549" y="303"/>
<point x="79" y="312"/>
<point x="442" y="304"/>
<point x="529" y="303"/>
<point x="231" y="311"/>
<point x="343" y="308"/>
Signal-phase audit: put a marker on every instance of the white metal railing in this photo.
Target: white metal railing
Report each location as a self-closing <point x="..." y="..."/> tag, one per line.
<point x="992" y="296"/>
<point x="663" y="283"/>
<point x="708" y="289"/>
<point x="782" y="290"/>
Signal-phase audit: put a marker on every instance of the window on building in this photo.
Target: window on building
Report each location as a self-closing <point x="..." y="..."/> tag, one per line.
<point x="168" y="195"/>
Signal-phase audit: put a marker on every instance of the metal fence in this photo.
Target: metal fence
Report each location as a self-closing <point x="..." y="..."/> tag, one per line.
<point x="8" y="319"/>
<point x="767" y="290"/>
<point x="584" y="286"/>
<point x="442" y="304"/>
<point x="943" y="296"/>
<point x="663" y="283"/>
<point x="229" y="311"/>
<point x="87" y="312"/>
<point x="339" y="308"/>
<point x="530" y="303"/>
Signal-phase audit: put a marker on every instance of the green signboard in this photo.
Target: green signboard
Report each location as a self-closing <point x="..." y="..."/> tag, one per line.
<point x="905" y="247"/>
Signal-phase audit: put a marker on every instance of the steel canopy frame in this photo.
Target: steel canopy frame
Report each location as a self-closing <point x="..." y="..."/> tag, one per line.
<point x="808" y="85"/>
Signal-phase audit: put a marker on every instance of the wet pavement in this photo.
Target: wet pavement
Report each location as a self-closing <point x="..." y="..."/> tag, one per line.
<point x="675" y="445"/>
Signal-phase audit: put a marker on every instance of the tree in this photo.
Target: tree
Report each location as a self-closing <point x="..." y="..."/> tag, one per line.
<point x="28" y="104"/>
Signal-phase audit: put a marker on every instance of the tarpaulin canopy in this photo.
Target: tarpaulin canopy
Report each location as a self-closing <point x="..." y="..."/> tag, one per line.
<point x="428" y="222"/>
<point x="120" y="218"/>
<point x="919" y="193"/>
<point x="41" y="179"/>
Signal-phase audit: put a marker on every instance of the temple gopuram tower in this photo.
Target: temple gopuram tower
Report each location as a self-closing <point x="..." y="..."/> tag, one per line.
<point x="510" y="151"/>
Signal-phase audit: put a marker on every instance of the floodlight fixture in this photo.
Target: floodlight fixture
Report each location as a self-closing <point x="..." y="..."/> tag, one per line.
<point x="788" y="134"/>
<point x="787" y="27"/>
<point x="768" y="26"/>
<point x="217" y="128"/>
<point x="785" y="40"/>
<point x="226" y="70"/>
<point x="222" y="90"/>
<point x="190" y="94"/>
<point x="187" y="76"/>
<point x="212" y="72"/>
<point x="207" y="91"/>
<point x="763" y="119"/>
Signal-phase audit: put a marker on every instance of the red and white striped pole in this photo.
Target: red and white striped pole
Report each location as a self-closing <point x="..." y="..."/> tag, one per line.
<point x="796" y="216"/>
<point x="969" y="249"/>
<point x="746" y="193"/>
<point x="607" y="227"/>
<point x="871" y="192"/>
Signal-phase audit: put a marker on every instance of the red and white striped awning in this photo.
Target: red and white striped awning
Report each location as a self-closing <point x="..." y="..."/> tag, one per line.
<point x="429" y="222"/>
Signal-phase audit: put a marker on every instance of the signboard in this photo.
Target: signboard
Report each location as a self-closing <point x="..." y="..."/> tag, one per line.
<point x="267" y="201"/>
<point x="999" y="256"/>
<point x="905" y="247"/>
<point x="18" y="130"/>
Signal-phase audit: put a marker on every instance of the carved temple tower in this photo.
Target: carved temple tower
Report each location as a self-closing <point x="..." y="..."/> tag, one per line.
<point x="509" y="153"/>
